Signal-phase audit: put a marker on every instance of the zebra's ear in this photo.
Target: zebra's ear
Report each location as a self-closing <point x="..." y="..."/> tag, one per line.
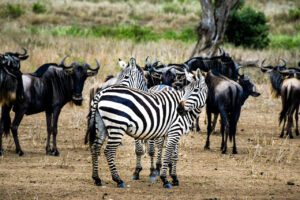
<point x="122" y="63"/>
<point x="148" y="62"/>
<point x="132" y="62"/>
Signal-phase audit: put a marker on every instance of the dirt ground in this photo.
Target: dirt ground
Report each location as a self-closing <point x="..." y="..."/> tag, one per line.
<point x="266" y="167"/>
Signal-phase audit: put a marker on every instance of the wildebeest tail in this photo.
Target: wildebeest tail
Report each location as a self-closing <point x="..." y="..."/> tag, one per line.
<point x="6" y="121"/>
<point x="286" y="104"/>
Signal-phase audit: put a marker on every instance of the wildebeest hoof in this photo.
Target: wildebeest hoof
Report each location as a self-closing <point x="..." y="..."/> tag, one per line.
<point x="224" y="151"/>
<point x="206" y="147"/>
<point x="281" y="135"/>
<point x="234" y="151"/>
<point x="297" y="133"/>
<point x="52" y="152"/>
<point x="291" y="137"/>
<point x="1" y="152"/>
<point x="19" y="152"/>
<point x="121" y="185"/>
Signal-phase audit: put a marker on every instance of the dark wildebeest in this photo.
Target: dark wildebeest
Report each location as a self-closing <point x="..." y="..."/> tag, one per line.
<point x="48" y="89"/>
<point x="286" y="84"/>
<point x="226" y="97"/>
<point x="11" y="86"/>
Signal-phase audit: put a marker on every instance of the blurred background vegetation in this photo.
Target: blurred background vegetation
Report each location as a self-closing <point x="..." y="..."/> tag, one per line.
<point x="254" y="24"/>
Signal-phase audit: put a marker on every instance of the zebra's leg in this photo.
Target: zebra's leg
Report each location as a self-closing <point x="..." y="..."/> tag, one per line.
<point x="95" y="147"/>
<point x="110" y="154"/>
<point x="296" y="121"/>
<point x="139" y="151"/>
<point x="159" y="143"/>
<point x="171" y="142"/>
<point x="173" y="174"/>
<point x="151" y="151"/>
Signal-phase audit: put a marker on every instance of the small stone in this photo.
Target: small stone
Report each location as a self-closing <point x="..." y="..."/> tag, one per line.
<point x="290" y="183"/>
<point x="216" y="168"/>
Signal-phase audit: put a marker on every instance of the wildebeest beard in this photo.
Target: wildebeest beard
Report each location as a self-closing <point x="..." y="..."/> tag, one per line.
<point x="8" y="87"/>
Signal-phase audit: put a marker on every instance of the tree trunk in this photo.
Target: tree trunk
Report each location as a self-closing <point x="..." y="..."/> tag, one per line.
<point x="213" y="25"/>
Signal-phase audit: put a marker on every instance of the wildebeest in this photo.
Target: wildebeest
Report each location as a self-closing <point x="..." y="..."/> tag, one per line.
<point x="286" y="84"/>
<point x="47" y="90"/>
<point x="226" y="97"/>
<point x="11" y="86"/>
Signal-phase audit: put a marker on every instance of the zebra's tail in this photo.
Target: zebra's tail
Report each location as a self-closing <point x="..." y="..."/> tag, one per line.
<point x="6" y="121"/>
<point x="91" y="129"/>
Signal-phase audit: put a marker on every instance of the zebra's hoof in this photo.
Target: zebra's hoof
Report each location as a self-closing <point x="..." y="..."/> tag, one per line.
<point x="152" y="179"/>
<point x="121" y="185"/>
<point x="168" y="186"/>
<point x="98" y="182"/>
<point x="135" y="177"/>
<point x="175" y="183"/>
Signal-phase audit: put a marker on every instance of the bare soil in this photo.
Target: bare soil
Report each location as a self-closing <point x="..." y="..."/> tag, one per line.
<point x="266" y="166"/>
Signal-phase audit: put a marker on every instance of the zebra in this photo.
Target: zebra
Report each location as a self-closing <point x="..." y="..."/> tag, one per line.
<point x="119" y="110"/>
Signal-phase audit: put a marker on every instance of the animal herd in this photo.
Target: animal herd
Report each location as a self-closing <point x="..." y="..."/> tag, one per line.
<point x="154" y="104"/>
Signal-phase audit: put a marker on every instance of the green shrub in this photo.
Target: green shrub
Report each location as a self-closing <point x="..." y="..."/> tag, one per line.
<point x="285" y="41"/>
<point x="294" y="14"/>
<point x="247" y="27"/>
<point x="12" y="11"/>
<point x="38" y="8"/>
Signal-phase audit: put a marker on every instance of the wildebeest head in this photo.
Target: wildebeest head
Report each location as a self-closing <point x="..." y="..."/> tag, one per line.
<point x="194" y="95"/>
<point x="10" y="75"/>
<point x="248" y="87"/>
<point x="275" y="77"/>
<point x="79" y="73"/>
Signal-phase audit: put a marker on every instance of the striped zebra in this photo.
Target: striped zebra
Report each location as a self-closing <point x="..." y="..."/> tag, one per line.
<point x="119" y="110"/>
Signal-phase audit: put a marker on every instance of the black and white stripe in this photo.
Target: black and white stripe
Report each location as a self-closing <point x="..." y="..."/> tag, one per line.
<point x="120" y="110"/>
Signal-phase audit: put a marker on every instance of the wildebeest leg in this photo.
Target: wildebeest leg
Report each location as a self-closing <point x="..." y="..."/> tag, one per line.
<point x="214" y="123"/>
<point x="232" y="128"/>
<point x="171" y="143"/>
<point x="5" y="123"/>
<point x="224" y="126"/>
<point x="14" y="129"/>
<point x="49" y="132"/>
<point x="290" y="125"/>
<point x="198" y="129"/>
<point x="56" y="113"/>
<point x="207" y="144"/>
<point x="159" y="143"/>
<point x="139" y="151"/>
<point x="173" y="174"/>
<point x="296" y="120"/>
<point x="283" y="128"/>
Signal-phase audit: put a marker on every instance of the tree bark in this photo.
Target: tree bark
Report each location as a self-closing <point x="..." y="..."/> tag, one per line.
<point x="212" y="27"/>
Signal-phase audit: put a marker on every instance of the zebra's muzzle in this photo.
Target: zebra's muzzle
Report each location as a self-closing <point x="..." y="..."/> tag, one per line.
<point x="180" y="109"/>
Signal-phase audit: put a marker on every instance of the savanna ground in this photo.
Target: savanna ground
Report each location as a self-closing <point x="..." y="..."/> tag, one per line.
<point x="266" y="167"/>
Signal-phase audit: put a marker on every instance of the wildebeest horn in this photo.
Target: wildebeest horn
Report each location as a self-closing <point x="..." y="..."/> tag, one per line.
<point x="62" y="63"/>
<point x="284" y="62"/>
<point x="23" y="56"/>
<point x="221" y="51"/>
<point x="93" y="72"/>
